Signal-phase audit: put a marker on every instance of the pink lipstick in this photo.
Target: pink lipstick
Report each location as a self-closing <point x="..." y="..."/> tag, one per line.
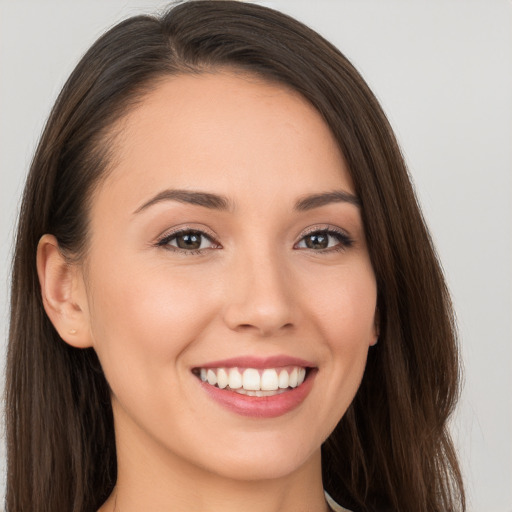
<point x="259" y="387"/>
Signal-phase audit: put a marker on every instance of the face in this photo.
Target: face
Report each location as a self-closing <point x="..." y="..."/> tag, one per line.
<point x="230" y="296"/>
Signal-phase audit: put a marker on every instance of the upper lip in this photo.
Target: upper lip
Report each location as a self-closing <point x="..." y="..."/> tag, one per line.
<point x="258" y="362"/>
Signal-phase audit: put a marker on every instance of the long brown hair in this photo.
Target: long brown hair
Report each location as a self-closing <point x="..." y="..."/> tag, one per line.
<point x="392" y="449"/>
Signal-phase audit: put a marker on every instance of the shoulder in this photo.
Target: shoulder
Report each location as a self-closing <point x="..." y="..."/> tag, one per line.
<point x="333" y="505"/>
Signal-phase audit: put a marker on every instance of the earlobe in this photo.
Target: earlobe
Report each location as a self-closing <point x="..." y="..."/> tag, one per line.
<point x="63" y="293"/>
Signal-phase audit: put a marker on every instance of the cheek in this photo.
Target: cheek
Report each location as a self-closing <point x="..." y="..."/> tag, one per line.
<point x="345" y="316"/>
<point x="141" y="321"/>
<point x="344" y="307"/>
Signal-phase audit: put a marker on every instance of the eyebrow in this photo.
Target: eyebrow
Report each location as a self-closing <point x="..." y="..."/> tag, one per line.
<point x="316" y="200"/>
<point x="222" y="203"/>
<point x="205" y="199"/>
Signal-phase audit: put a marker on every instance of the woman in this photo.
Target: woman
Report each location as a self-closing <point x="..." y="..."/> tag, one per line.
<point x="219" y="285"/>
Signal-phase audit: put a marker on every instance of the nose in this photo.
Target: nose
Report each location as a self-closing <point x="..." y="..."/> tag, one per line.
<point x="260" y="297"/>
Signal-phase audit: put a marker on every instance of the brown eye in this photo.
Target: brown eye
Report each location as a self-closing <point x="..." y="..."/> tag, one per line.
<point x="317" y="241"/>
<point x="188" y="240"/>
<point x="325" y="240"/>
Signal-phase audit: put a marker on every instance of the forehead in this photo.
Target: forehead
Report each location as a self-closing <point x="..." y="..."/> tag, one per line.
<point x="225" y="132"/>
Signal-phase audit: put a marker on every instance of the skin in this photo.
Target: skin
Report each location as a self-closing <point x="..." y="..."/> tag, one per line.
<point x="153" y="313"/>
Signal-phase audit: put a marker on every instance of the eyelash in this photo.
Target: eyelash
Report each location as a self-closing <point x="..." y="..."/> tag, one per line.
<point x="166" y="239"/>
<point x="345" y="241"/>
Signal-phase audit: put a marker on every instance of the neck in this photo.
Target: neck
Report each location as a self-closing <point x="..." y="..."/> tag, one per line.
<point x="151" y="479"/>
<point x="215" y="496"/>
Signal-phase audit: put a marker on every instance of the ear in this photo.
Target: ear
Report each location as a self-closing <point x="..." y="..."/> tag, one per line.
<point x="376" y="328"/>
<point x="63" y="293"/>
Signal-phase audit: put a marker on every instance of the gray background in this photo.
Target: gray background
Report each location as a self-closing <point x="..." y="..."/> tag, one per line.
<point x="443" y="72"/>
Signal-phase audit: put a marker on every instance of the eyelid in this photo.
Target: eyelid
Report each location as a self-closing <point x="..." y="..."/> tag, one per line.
<point x="323" y="228"/>
<point x="344" y="238"/>
<point x="163" y="239"/>
<point x="345" y="242"/>
<point x="184" y="228"/>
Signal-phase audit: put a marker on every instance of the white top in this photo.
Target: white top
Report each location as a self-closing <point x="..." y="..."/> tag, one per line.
<point x="334" y="505"/>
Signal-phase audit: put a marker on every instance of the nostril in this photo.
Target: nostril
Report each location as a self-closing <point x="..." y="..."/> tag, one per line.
<point x="263" y="329"/>
<point x="264" y="305"/>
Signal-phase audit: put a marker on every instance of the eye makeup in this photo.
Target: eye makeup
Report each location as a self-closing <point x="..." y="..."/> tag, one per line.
<point x="194" y="241"/>
<point x="319" y="237"/>
<point x="188" y="241"/>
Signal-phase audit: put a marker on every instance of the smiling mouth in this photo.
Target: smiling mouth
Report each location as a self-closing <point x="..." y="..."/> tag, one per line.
<point x="258" y="382"/>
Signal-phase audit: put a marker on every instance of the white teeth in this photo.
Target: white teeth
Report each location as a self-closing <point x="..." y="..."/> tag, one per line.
<point x="235" y="379"/>
<point x="251" y="380"/>
<point x="284" y="379"/>
<point x="222" y="378"/>
<point x="293" y="378"/>
<point x="254" y="381"/>
<point x="269" y="380"/>
<point x="211" y="376"/>
<point x="259" y="393"/>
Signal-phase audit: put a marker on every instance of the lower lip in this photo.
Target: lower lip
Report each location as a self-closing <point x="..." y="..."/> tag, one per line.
<point x="264" y="406"/>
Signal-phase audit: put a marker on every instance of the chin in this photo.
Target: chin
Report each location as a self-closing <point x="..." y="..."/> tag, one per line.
<point x="262" y="462"/>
